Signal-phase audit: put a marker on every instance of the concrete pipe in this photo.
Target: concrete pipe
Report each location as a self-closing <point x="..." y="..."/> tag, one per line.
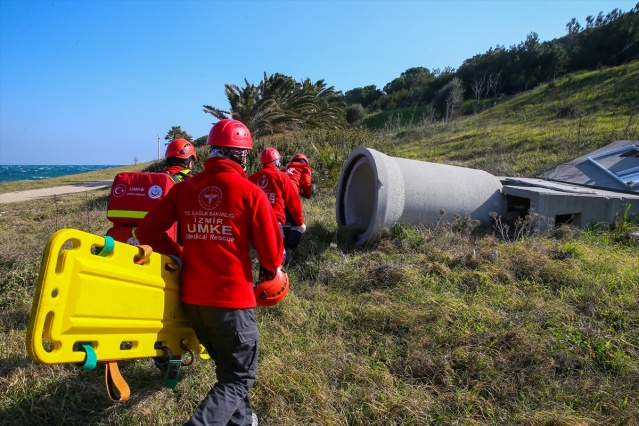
<point x="376" y="191"/>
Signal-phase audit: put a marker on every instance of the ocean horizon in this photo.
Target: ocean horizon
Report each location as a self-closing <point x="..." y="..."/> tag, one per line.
<point x="39" y="172"/>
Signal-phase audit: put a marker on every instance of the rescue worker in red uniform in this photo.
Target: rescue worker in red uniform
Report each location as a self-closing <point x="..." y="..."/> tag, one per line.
<point x="178" y="161"/>
<point x="179" y="158"/>
<point x="279" y="190"/>
<point x="301" y="174"/>
<point x="221" y="214"/>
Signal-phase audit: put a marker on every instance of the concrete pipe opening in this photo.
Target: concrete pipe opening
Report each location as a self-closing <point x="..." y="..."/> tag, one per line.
<point x="376" y="191"/>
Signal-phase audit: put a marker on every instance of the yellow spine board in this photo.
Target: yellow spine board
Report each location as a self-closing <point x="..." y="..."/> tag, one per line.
<point x="122" y="309"/>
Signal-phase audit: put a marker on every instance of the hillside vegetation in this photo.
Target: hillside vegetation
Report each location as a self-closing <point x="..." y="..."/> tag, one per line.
<point x="528" y="133"/>
<point x="449" y="325"/>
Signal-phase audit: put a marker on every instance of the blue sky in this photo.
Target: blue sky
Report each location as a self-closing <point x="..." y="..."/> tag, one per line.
<point x="97" y="81"/>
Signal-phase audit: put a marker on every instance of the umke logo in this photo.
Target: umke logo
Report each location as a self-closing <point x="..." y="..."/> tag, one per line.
<point x="210" y="197"/>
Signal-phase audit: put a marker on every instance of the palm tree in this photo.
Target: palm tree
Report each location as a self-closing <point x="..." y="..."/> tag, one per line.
<point x="279" y="104"/>
<point x="329" y="109"/>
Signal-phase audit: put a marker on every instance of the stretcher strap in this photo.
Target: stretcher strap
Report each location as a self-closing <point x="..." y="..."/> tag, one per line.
<point x="91" y="360"/>
<point x="172" y="368"/>
<point x="109" y="245"/>
<point x="146" y="252"/>
<point x="186" y="348"/>
<point x="117" y="388"/>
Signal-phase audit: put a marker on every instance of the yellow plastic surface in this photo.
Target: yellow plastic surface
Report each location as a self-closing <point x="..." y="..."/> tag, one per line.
<point x="122" y="309"/>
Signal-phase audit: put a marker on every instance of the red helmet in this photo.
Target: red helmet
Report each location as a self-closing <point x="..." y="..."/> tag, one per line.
<point x="299" y="157"/>
<point x="272" y="292"/>
<point x="180" y="148"/>
<point x="229" y="133"/>
<point x="269" y="155"/>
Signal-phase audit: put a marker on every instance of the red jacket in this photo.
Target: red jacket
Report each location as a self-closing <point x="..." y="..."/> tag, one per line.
<point x="280" y="192"/>
<point x="220" y="215"/>
<point x="301" y="176"/>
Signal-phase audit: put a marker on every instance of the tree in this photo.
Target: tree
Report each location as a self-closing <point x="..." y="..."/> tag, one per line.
<point x="494" y="84"/>
<point x="201" y="141"/>
<point x="553" y="60"/>
<point x="573" y="27"/>
<point x="413" y="87"/>
<point x="176" y="132"/>
<point x="354" y="114"/>
<point x="367" y="97"/>
<point x="609" y="40"/>
<point x="454" y="99"/>
<point x="478" y="87"/>
<point x="279" y="103"/>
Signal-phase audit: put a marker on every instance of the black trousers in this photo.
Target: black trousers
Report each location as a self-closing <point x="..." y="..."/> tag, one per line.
<point x="231" y="338"/>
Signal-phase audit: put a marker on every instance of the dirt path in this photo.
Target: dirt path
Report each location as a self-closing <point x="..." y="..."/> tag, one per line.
<point x="32" y="194"/>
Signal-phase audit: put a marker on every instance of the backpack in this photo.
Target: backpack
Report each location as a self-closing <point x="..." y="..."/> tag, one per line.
<point x="133" y="195"/>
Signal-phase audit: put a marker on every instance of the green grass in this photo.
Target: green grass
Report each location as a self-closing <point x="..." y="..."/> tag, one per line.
<point x="449" y="325"/>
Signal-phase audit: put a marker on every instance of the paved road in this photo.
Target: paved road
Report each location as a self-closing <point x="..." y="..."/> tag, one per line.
<point x="32" y="194"/>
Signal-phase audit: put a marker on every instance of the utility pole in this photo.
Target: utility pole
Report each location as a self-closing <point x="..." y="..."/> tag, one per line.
<point x="158" y="147"/>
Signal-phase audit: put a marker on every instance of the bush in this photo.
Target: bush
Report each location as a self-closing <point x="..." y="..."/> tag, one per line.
<point x="355" y="114"/>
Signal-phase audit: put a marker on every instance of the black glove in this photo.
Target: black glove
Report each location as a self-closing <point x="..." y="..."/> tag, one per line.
<point x="266" y="274"/>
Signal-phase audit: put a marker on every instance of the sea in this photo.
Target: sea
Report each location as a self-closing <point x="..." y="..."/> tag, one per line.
<point x="22" y="173"/>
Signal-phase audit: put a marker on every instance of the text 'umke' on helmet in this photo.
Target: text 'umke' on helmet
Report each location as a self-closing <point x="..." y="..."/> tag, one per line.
<point x="273" y="291"/>
<point x="269" y="155"/>
<point x="300" y="158"/>
<point x="180" y="148"/>
<point x="230" y="133"/>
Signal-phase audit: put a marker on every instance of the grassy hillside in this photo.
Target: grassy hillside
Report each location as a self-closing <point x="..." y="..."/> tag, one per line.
<point x="529" y="133"/>
<point x="445" y="326"/>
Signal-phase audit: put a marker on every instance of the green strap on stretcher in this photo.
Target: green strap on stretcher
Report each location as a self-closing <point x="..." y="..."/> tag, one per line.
<point x="109" y="245"/>
<point x="92" y="359"/>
